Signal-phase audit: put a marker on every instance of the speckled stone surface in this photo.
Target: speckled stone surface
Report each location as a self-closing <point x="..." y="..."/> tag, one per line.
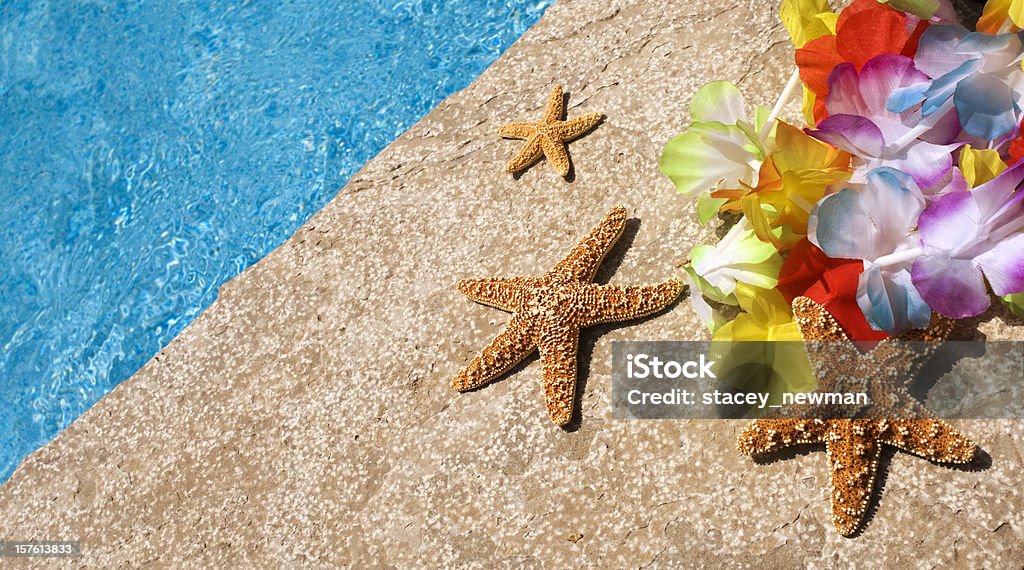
<point x="305" y="420"/>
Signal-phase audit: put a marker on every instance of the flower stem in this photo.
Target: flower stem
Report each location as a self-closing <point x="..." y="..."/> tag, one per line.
<point x="1011" y="227"/>
<point x="899" y="257"/>
<point x="926" y="124"/>
<point x="784" y="97"/>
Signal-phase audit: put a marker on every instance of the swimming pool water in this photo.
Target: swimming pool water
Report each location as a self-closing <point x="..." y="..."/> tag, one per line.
<point x="152" y="150"/>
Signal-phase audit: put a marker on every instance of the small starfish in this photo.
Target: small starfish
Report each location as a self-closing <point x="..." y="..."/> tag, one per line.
<point x="549" y="311"/>
<point x="853" y="437"/>
<point x="547" y="137"/>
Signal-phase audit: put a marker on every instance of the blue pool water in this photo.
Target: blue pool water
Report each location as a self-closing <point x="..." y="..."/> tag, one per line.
<point x="152" y="150"/>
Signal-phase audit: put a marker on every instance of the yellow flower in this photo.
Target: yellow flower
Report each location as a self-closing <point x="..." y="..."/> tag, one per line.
<point x="790" y="182"/>
<point x="980" y="166"/>
<point x="1000" y="16"/>
<point x="751" y="365"/>
<point x="806" y="20"/>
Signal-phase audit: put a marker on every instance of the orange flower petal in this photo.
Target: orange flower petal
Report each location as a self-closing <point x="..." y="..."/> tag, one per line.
<point x="816" y="61"/>
<point x="868" y="33"/>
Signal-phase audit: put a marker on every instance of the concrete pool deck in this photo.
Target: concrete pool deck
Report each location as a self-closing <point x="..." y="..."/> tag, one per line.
<point x="305" y="419"/>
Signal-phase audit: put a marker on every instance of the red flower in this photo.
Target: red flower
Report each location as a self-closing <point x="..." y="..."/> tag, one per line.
<point x="1016" y="149"/>
<point x="832" y="283"/>
<point x="864" y="30"/>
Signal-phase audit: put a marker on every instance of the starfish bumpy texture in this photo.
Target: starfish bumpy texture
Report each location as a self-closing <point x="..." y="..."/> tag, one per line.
<point x="547" y="137"/>
<point x="549" y="311"/>
<point x="853" y="437"/>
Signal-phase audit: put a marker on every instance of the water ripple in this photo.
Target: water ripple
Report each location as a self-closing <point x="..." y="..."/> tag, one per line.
<point x="151" y="151"/>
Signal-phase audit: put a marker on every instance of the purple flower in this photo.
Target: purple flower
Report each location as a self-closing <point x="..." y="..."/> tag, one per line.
<point x="861" y="123"/>
<point x="968" y="237"/>
<point x="978" y="74"/>
<point x="876" y="224"/>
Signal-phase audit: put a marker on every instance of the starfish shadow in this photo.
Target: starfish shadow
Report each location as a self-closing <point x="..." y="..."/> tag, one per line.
<point x="998" y="309"/>
<point x="982" y="461"/>
<point x="787" y="453"/>
<point x="941" y="364"/>
<point x="590" y="336"/>
<point x="570" y="177"/>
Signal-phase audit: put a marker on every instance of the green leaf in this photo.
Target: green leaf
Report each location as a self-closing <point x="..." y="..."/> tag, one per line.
<point x="740" y="257"/>
<point x="709" y="154"/>
<point x="707" y="207"/>
<point x="923" y="9"/>
<point x="718" y="101"/>
<point x="1015" y="302"/>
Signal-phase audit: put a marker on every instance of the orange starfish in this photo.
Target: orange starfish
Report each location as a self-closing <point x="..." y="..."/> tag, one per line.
<point x="547" y="137"/>
<point x="853" y="437"/>
<point x="549" y="311"/>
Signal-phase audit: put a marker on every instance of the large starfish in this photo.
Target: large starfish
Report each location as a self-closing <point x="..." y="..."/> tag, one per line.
<point x="853" y="437"/>
<point x="549" y="311"/>
<point x="547" y="137"/>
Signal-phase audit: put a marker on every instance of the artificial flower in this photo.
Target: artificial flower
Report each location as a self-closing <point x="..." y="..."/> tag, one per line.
<point x="1014" y="302"/>
<point x="740" y="257"/>
<point x="791" y="180"/>
<point x="830" y="282"/>
<point x="863" y="30"/>
<point x="980" y="165"/>
<point x="750" y="364"/>
<point x="1000" y="16"/>
<point x="721" y="146"/>
<point x="919" y="127"/>
<point x="977" y="74"/>
<point x="860" y="123"/>
<point x="967" y="238"/>
<point x="711" y="318"/>
<point x="807" y="20"/>
<point x="766" y="316"/>
<point x="876" y="225"/>
<point x="925" y="9"/>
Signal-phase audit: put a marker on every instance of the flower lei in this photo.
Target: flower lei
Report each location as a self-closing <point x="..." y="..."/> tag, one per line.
<point x="898" y="199"/>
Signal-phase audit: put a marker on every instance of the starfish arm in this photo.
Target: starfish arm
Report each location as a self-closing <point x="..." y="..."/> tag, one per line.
<point x="814" y="411"/>
<point x="518" y="130"/>
<point x="555" y="109"/>
<point x="929" y="438"/>
<point x="853" y="452"/>
<point x="767" y="436"/>
<point x="911" y="350"/>
<point x="816" y="324"/>
<point x="507" y="349"/>
<point x="504" y="294"/>
<point x="613" y="303"/>
<point x="835" y="359"/>
<point x="558" y="349"/>
<point x="578" y="126"/>
<point x="585" y="258"/>
<point x="529" y="154"/>
<point x="890" y="402"/>
<point x="556" y="154"/>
